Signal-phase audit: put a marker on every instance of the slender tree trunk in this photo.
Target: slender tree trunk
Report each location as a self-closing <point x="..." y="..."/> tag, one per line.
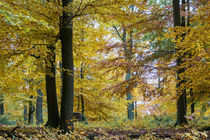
<point x="83" y="105"/>
<point x="31" y="112"/>
<point x="39" y="112"/>
<point x="25" y="114"/>
<point x="128" y="56"/>
<point x="67" y="99"/>
<point x="159" y="82"/>
<point x="181" y="102"/>
<point x="2" y="104"/>
<point x="136" y="109"/>
<point x="192" y="106"/>
<point x="52" y="104"/>
<point x="81" y="96"/>
<point x="78" y="103"/>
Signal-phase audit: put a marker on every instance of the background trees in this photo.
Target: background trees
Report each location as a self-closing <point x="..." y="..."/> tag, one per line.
<point x="98" y="45"/>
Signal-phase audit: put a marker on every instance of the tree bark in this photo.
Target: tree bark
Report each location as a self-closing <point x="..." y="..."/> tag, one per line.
<point x="192" y="106"/>
<point x="66" y="123"/>
<point x="25" y="114"/>
<point x="83" y="105"/>
<point x="2" y="104"/>
<point x="31" y="112"/>
<point x="136" y="109"/>
<point x="81" y="96"/>
<point x="78" y="103"/>
<point x="181" y="102"/>
<point x="128" y="56"/>
<point x="39" y="112"/>
<point x="52" y="104"/>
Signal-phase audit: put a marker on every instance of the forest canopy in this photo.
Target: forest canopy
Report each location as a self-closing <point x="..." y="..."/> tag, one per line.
<point x="122" y="63"/>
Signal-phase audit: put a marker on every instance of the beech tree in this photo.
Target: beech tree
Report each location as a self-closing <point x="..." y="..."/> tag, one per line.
<point x="181" y="102"/>
<point x="68" y="69"/>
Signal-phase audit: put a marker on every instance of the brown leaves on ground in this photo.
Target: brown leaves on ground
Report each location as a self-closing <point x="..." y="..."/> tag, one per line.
<point x="39" y="133"/>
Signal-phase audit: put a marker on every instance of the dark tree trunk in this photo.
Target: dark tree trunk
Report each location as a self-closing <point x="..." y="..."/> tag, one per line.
<point x="2" y="104"/>
<point x="135" y="104"/>
<point x="25" y="114"/>
<point x="78" y="105"/>
<point x="192" y="106"/>
<point x="52" y="104"/>
<point x="39" y="112"/>
<point x="81" y="96"/>
<point x="83" y="105"/>
<point x="31" y="112"/>
<point x="181" y="102"/>
<point x="66" y="123"/>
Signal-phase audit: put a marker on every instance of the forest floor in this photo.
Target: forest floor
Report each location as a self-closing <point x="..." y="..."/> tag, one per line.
<point x="41" y="133"/>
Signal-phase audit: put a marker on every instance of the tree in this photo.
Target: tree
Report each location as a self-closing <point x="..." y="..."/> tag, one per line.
<point x="39" y="106"/>
<point x="67" y="98"/>
<point x="52" y="104"/>
<point x="25" y="114"/>
<point x="181" y="102"/>
<point x="31" y="112"/>
<point x="2" y="104"/>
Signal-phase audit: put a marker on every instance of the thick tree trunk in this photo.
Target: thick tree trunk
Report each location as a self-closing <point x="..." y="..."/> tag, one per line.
<point x="52" y="104"/>
<point x="2" y="104"/>
<point x="67" y="99"/>
<point x="31" y="112"/>
<point x="39" y="112"/>
<point x="181" y="102"/>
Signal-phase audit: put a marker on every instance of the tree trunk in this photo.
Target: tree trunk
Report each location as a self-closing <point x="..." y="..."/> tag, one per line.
<point x="67" y="99"/>
<point x="136" y="109"/>
<point x="181" y="102"/>
<point x="78" y="103"/>
<point x="128" y="56"/>
<point x="83" y="105"/>
<point x="25" y="114"/>
<point x="2" y="104"/>
<point x="39" y="112"/>
<point x="81" y="96"/>
<point x="31" y="112"/>
<point x="192" y="106"/>
<point x="52" y="104"/>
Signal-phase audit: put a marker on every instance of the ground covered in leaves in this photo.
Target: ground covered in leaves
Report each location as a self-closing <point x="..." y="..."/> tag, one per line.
<point x="38" y="133"/>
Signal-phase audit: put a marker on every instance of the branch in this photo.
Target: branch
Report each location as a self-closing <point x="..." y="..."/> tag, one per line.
<point x="118" y="32"/>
